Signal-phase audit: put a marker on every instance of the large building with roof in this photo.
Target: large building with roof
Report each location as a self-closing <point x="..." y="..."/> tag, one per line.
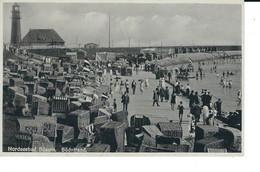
<point x="42" y="38"/>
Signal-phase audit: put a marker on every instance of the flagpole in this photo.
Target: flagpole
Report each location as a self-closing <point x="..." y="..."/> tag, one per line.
<point x="109" y="29"/>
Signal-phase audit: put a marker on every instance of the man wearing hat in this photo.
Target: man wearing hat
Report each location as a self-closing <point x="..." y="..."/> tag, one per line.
<point x="125" y="100"/>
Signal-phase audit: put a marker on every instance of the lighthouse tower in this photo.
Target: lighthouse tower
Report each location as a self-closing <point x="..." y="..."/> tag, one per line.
<point x="16" y="26"/>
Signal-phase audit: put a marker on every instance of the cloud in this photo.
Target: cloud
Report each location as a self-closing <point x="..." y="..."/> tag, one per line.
<point x="171" y="28"/>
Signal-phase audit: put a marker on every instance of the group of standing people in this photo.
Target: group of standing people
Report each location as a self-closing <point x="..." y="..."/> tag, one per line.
<point x="226" y="82"/>
<point x="159" y="94"/>
<point x="200" y="105"/>
<point x="124" y="89"/>
<point x="122" y="86"/>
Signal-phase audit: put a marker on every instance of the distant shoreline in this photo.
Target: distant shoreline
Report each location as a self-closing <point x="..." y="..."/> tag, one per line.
<point x="194" y="57"/>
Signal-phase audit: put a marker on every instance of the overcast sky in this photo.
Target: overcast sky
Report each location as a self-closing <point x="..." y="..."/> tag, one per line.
<point x="172" y="24"/>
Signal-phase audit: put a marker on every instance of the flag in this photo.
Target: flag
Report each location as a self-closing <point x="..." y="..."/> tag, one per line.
<point x="86" y="69"/>
<point x="90" y="128"/>
<point x="190" y="60"/>
<point x="86" y="62"/>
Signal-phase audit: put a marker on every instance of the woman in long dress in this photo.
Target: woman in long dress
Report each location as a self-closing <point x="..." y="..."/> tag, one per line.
<point x="205" y="114"/>
<point x="163" y="83"/>
<point x="160" y="82"/>
<point x="142" y="86"/>
<point x="121" y="91"/>
<point x="116" y="86"/>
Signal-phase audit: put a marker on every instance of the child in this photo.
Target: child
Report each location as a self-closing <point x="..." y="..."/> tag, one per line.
<point x="180" y="108"/>
<point x="115" y="105"/>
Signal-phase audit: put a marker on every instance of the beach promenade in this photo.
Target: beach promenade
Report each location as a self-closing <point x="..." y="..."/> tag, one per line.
<point x="141" y="103"/>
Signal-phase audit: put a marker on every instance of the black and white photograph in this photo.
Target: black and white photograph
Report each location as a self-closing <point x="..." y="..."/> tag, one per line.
<point x="122" y="78"/>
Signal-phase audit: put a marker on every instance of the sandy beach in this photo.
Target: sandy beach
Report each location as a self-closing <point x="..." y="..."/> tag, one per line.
<point x="141" y="103"/>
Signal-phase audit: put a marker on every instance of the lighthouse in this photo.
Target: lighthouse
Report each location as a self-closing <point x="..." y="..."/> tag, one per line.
<point x="16" y="26"/>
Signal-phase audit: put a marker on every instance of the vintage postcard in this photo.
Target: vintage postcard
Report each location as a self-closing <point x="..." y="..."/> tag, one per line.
<point x="157" y="77"/>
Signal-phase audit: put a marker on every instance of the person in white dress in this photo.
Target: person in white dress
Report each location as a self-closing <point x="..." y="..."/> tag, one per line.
<point x="205" y="114"/>
<point x="239" y="96"/>
<point x="163" y="83"/>
<point x="142" y="86"/>
<point x="116" y="86"/>
<point x="146" y="82"/>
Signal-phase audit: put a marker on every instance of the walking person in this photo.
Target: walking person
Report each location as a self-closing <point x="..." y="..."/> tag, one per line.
<point x="197" y="74"/>
<point x="188" y="90"/>
<point x="142" y="86"/>
<point x="155" y="97"/>
<point x="163" y="83"/>
<point x="180" y="108"/>
<point x="239" y="96"/>
<point x="178" y="88"/>
<point x="205" y="114"/>
<point x="173" y="100"/>
<point x="158" y="92"/>
<point x="111" y="89"/>
<point x="115" y="105"/>
<point x="167" y="94"/>
<point x="208" y="99"/>
<point x="160" y="82"/>
<point x="162" y="93"/>
<point x="218" y="105"/>
<point x="183" y="92"/>
<point x="169" y="76"/>
<point x="133" y="86"/>
<point x="125" y="100"/>
<point x="196" y="111"/>
<point x="127" y="86"/>
<point x="196" y="98"/>
<point x="204" y="98"/>
<point x="116" y="85"/>
<point x="146" y="82"/>
<point x="191" y="98"/>
<point x="121" y="87"/>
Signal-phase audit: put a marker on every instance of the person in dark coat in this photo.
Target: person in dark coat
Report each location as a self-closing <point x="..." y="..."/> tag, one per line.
<point x="196" y="111"/>
<point x="181" y="109"/>
<point x="218" y="107"/>
<point x="167" y="94"/>
<point x="155" y="97"/>
<point x="173" y="100"/>
<point x="162" y="93"/>
<point x="127" y="86"/>
<point x="133" y="86"/>
<point x="115" y="105"/>
<point x="204" y="98"/>
<point x="209" y="98"/>
<point x="169" y="76"/>
<point x="191" y="98"/>
<point x="188" y="91"/>
<point x="196" y="98"/>
<point x="178" y="89"/>
<point x="125" y="100"/>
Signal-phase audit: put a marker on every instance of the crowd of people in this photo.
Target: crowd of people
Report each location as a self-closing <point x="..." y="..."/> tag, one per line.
<point x="199" y="105"/>
<point x="123" y="88"/>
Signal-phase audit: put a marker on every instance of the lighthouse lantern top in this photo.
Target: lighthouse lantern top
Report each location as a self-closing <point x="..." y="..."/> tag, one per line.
<point x="16" y="7"/>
